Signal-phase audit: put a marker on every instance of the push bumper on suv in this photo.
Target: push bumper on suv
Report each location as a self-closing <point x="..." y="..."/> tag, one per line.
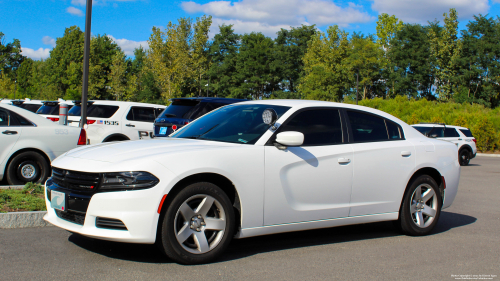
<point x="124" y="216"/>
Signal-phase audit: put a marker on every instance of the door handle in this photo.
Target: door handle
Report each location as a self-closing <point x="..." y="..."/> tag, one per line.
<point x="459" y="139"/>
<point x="344" y="160"/>
<point x="130" y="125"/>
<point x="405" y="153"/>
<point x="9" y="132"/>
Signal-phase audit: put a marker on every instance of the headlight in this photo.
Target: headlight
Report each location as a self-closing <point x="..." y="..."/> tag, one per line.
<point x="128" y="181"/>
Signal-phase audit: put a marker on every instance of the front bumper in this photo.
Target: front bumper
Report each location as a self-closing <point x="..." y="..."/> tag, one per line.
<point x="136" y="209"/>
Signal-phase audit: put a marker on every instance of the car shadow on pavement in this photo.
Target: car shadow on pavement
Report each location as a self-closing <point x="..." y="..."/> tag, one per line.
<point x="241" y="248"/>
<point x="473" y="165"/>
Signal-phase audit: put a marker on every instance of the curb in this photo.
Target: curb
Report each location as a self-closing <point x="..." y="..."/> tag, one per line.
<point x="487" y="155"/>
<point x="23" y="219"/>
<point x="11" y="186"/>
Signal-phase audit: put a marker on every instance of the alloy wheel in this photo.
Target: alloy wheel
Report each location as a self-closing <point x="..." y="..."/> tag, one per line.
<point x="424" y="204"/>
<point x="200" y="223"/>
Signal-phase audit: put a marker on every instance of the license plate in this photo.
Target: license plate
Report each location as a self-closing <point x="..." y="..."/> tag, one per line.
<point x="163" y="130"/>
<point x="58" y="200"/>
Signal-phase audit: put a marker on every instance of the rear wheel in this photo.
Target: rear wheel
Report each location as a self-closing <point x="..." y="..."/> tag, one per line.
<point x="26" y="167"/>
<point x="464" y="157"/>
<point x="198" y="224"/>
<point x="421" y="207"/>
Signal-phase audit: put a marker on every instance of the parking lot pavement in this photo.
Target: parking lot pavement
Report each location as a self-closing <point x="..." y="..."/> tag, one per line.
<point x="465" y="242"/>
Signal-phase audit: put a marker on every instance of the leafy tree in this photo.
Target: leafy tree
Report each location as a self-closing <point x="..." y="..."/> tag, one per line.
<point x="222" y="54"/>
<point x="66" y="61"/>
<point x="365" y="60"/>
<point x="410" y="55"/>
<point x="446" y="48"/>
<point x="479" y="73"/>
<point x="200" y="50"/>
<point x="253" y="70"/>
<point x="102" y="53"/>
<point x="290" y="47"/>
<point x="387" y="28"/>
<point x="118" y="76"/>
<point x="326" y="71"/>
<point x="10" y="57"/>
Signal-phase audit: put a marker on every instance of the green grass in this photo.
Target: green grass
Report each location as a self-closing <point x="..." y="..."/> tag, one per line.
<point x="30" y="198"/>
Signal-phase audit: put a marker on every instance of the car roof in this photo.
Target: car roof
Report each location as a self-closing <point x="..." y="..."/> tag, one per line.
<point x="439" y="125"/>
<point x="211" y="99"/>
<point x="33" y="117"/>
<point x="111" y="102"/>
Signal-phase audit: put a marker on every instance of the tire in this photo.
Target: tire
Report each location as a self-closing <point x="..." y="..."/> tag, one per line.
<point x="464" y="157"/>
<point x="421" y="207"/>
<point x="189" y="236"/>
<point x="26" y="167"/>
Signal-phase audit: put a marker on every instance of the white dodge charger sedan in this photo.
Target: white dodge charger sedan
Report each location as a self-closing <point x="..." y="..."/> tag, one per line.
<point x="28" y="142"/>
<point x="255" y="168"/>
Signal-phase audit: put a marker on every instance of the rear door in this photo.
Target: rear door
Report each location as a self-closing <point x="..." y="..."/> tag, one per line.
<point x="383" y="162"/>
<point x="138" y="123"/>
<point x="451" y="134"/>
<point x="10" y="132"/>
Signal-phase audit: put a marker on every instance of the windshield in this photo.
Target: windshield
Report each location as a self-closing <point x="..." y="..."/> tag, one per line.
<point x="232" y="123"/>
<point x="75" y="111"/>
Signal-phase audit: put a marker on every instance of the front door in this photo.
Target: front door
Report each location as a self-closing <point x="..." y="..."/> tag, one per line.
<point x="312" y="181"/>
<point x="9" y="134"/>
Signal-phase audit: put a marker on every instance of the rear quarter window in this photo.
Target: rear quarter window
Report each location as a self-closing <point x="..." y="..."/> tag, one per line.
<point x="101" y="111"/>
<point x="467" y="133"/>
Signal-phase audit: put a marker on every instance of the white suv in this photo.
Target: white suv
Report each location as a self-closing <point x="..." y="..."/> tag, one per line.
<point x="116" y="120"/>
<point x="461" y="136"/>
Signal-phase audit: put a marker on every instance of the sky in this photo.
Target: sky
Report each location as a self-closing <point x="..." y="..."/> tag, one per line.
<point x="38" y="23"/>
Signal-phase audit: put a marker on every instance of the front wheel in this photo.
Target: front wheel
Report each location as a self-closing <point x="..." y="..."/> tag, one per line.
<point x="198" y="224"/>
<point x="464" y="157"/>
<point x="421" y="207"/>
<point x="27" y="167"/>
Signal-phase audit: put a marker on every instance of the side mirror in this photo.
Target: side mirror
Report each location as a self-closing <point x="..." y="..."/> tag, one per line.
<point x="290" y="138"/>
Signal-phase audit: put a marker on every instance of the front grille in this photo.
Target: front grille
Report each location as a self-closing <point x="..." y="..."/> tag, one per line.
<point x="110" y="223"/>
<point x="73" y="217"/>
<point x="79" y="181"/>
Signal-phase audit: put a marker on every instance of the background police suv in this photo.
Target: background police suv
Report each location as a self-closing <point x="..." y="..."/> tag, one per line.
<point x="461" y="136"/>
<point x="116" y="120"/>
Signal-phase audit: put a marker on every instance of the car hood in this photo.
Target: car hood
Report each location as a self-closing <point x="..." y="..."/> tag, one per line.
<point x="130" y="150"/>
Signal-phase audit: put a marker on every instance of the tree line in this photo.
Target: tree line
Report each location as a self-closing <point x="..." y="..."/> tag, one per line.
<point x="433" y="61"/>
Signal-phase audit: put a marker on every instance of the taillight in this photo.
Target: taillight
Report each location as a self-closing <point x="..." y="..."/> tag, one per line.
<point x="53" y="119"/>
<point x="174" y="127"/>
<point x="186" y="122"/>
<point x="82" y="140"/>
<point x="90" y="122"/>
<point x="474" y="140"/>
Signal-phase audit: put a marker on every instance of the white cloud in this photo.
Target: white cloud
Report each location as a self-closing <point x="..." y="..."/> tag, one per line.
<point x="74" y="11"/>
<point x="268" y="16"/>
<point x="128" y="46"/>
<point x="421" y="11"/>
<point x="35" y="54"/>
<point x="47" y="40"/>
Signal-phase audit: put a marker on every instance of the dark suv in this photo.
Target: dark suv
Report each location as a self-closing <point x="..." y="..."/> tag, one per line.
<point x="184" y="110"/>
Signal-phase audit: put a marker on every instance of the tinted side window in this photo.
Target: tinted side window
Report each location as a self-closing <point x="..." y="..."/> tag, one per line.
<point x="141" y="114"/>
<point x="31" y="107"/>
<point x="21" y="120"/>
<point x="4" y="118"/>
<point x="437" y="132"/>
<point x="48" y="110"/>
<point x="451" y="133"/>
<point x="366" y="127"/>
<point x="394" y="130"/>
<point x="467" y="133"/>
<point x="101" y="111"/>
<point x="424" y="130"/>
<point x="319" y="126"/>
